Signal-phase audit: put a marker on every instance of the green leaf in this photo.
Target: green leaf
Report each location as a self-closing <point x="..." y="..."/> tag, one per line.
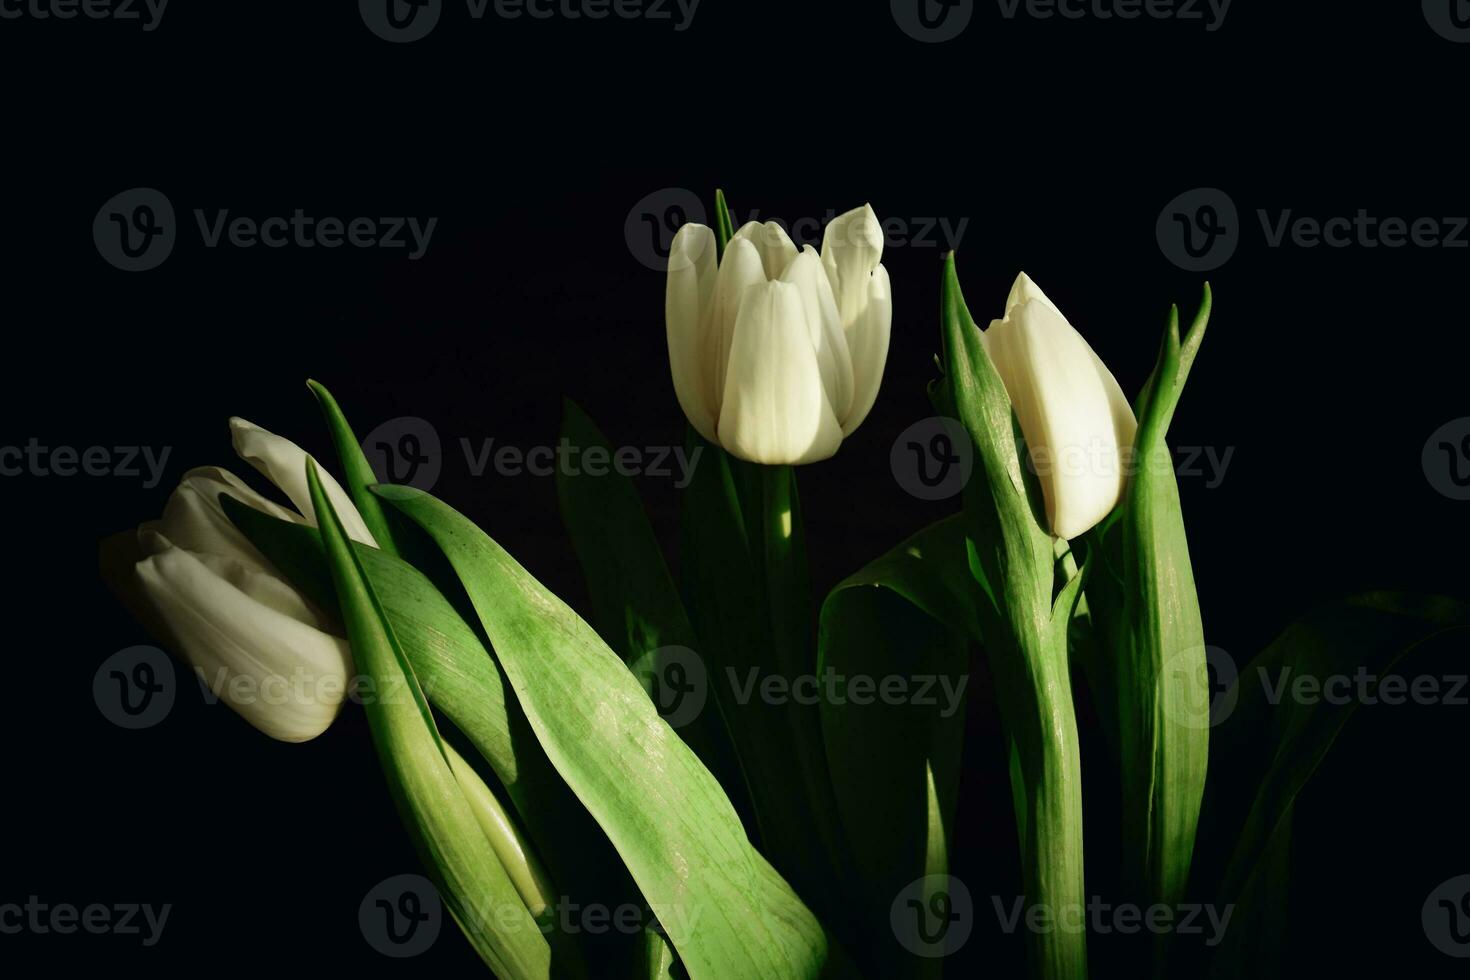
<point x="463" y="682"/>
<point x="1153" y="647"/>
<point x="636" y="608"/>
<point x="356" y="469"/>
<point x="724" y="908"/>
<point x="895" y="766"/>
<point x="1255" y="937"/>
<point x="475" y="887"/>
<point x="725" y="587"/>
<point x="724" y="227"/>
<point x="1025" y="627"/>
<point x="656" y="959"/>
<point x="1266" y="752"/>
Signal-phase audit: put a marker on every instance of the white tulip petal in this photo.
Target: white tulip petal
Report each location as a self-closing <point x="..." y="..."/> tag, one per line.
<point x="852" y="247"/>
<point x="740" y="269"/>
<point x="193" y="519"/>
<point x="283" y="676"/>
<point x="776" y="249"/>
<point x="828" y="338"/>
<point x="284" y="463"/>
<point x="1066" y="412"/>
<point x="775" y="409"/>
<point x="1125" y="425"/>
<point x="689" y="320"/>
<point x="867" y="337"/>
<point x="1023" y="290"/>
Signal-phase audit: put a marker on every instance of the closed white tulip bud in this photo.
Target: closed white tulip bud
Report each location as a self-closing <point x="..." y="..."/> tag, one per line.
<point x="777" y="354"/>
<point x="1078" y="425"/>
<point x="259" y="644"/>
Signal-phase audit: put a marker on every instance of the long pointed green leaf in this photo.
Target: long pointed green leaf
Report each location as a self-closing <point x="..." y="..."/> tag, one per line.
<point x="895" y="765"/>
<point x="475" y="887"/>
<point x="727" y="913"/>
<point x="1145" y="604"/>
<point x="356" y="469"/>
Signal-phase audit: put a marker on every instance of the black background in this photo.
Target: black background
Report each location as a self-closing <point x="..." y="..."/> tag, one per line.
<point x="1325" y="370"/>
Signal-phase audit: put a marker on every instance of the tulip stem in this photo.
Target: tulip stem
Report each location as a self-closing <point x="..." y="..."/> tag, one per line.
<point x="778" y="539"/>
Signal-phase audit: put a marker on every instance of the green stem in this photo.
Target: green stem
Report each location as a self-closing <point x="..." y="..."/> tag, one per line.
<point x="778" y="537"/>
<point x="1051" y="766"/>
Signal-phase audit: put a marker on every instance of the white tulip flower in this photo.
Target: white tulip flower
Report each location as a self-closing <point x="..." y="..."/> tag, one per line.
<point x="260" y="645"/>
<point x="777" y="354"/>
<point x="1078" y="425"/>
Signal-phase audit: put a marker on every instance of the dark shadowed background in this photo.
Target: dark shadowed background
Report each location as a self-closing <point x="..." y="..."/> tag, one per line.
<point x="544" y="148"/>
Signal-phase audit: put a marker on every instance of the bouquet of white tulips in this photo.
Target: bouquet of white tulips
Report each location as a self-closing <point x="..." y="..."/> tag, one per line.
<point x="536" y="758"/>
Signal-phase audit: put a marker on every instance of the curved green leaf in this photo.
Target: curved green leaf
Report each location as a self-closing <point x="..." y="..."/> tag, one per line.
<point x="475" y="886"/>
<point x="463" y="682"/>
<point x="726" y="911"/>
<point x="636" y="607"/>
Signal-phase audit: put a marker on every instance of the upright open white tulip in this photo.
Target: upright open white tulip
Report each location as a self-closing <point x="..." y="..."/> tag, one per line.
<point x="1077" y="423"/>
<point x="259" y="644"/>
<point x="777" y="354"/>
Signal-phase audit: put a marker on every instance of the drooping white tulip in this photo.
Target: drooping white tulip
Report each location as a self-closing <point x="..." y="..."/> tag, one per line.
<point x="260" y="645"/>
<point x="1078" y="425"/>
<point x="777" y="353"/>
